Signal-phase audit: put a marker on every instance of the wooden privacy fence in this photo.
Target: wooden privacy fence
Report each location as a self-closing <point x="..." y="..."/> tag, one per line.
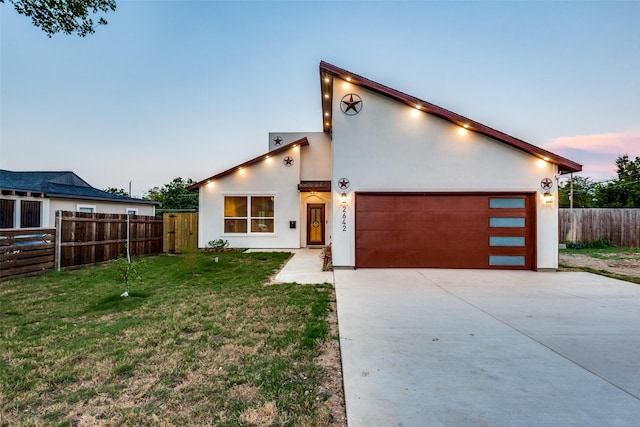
<point x="180" y="230"/>
<point x="91" y="238"/>
<point x="25" y="252"/>
<point x="621" y="226"/>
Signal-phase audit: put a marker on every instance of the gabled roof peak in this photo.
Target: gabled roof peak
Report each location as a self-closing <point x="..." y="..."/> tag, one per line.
<point x="329" y="71"/>
<point x="300" y="142"/>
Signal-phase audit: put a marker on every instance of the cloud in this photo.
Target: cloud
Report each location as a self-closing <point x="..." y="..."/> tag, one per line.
<point x="597" y="153"/>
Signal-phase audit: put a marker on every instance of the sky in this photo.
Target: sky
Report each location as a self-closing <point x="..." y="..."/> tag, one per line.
<point x="190" y="88"/>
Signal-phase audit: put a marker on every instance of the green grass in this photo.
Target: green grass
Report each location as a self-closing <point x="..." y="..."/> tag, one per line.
<point x="215" y="348"/>
<point x="616" y="254"/>
<point x="632" y="254"/>
<point x="601" y="252"/>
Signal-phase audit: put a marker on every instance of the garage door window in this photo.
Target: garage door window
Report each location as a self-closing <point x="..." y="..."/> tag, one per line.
<point x="506" y="203"/>
<point x="506" y="222"/>
<point x="506" y="241"/>
<point x="506" y="260"/>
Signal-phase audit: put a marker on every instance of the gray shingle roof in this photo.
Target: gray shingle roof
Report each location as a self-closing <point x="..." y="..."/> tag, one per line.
<point x="59" y="185"/>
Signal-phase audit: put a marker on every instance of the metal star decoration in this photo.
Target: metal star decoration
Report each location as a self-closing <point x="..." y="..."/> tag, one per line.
<point x="343" y="183"/>
<point x="277" y="140"/>
<point x="351" y="104"/>
<point x="546" y="184"/>
<point x="288" y="161"/>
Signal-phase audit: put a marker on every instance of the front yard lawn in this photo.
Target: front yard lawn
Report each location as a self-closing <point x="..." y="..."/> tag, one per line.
<point x="618" y="263"/>
<point x="218" y="347"/>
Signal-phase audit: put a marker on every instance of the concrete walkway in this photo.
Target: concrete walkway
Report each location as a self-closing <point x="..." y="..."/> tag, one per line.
<point x="304" y="267"/>
<point x="488" y="348"/>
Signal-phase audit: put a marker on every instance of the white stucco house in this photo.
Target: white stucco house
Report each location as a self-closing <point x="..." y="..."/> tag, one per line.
<point x="392" y="181"/>
<point x="30" y="199"/>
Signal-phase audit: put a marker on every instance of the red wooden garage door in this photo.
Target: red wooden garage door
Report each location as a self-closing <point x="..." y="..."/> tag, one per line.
<point x="445" y="230"/>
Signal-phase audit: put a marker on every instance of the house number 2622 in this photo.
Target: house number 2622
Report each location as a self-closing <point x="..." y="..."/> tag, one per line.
<point x="344" y="218"/>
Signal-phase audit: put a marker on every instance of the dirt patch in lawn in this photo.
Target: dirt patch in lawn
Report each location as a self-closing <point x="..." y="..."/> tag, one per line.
<point x="331" y="361"/>
<point x="623" y="263"/>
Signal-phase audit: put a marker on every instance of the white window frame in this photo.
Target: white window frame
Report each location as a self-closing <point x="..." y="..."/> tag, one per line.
<point x="248" y="218"/>
<point x="79" y="207"/>
<point x="131" y="211"/>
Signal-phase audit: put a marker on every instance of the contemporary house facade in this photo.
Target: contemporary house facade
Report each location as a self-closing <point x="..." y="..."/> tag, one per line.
<point x="31" y="199"/>
<point x="392" y="181"/>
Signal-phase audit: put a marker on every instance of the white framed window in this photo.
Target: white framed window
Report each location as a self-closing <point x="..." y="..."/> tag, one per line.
<point x="132" y="211"/>
<point x="86" y="208"/>
<point x="249" y="214"/>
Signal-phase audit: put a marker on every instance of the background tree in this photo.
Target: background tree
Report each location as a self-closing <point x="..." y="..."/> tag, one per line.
<point x="120" y="191"/>
<point x="583" y="193"/>
<point x="175" y="195"/>
<point x="68" y="16"/>
<point x="623" y="192"/>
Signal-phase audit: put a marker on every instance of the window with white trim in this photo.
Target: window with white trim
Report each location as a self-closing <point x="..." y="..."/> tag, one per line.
<point x="131" y="211"/>
<point x="249" y="214"/>
<point x="86" y="208"/>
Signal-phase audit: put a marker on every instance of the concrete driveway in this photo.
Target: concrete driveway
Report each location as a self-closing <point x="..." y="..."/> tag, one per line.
<point x="423" y="347"/>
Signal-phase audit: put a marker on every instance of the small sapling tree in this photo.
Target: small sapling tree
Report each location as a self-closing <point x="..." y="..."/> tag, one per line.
<point x="127" y="270"/>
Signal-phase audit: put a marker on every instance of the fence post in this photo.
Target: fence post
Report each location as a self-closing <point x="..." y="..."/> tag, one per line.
<point x="128" y="240"/>
<point x="58" y="238"/>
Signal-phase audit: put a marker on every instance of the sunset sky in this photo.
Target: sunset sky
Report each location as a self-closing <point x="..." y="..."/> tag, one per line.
<point x="190" y="88"/>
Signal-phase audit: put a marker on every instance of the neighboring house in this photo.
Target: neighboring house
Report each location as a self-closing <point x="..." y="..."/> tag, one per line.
<point x="31" y="199"/>
<point x="393" y="181"/>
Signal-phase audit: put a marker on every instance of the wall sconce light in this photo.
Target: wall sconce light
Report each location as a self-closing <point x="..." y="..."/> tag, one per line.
<point x="547" y="198"/>
<point x="343" y="198"/>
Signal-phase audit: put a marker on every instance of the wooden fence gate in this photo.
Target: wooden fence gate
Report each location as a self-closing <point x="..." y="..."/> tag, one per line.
<point x="180" y="231"/>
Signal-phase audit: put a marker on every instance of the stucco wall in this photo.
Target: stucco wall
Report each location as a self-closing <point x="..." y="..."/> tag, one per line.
<point x="315" y="163"/>
<point x="100" y="207"/>
<point x="267" y="177"/>
<point x="389" y="146"/>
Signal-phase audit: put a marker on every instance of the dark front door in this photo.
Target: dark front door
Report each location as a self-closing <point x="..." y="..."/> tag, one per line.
<point x="315" y="224"/>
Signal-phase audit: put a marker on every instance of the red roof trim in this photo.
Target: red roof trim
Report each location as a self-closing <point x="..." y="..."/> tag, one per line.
<point x="301" y="142"/>
<point x="326" y="70"/>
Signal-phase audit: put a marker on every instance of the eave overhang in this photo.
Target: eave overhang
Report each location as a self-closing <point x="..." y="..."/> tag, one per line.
<point x="23" y="193"/>
<point x="40" y="194"/>
<point x="298" y="143"/>
<point x="128" y="200"/>
<point x="328" y="72"/>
